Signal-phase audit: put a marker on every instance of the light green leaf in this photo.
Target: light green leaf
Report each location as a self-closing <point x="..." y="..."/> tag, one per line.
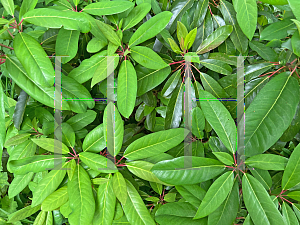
<point x="18" y="139"/>
<point x="97" y="162"/>
<point x="56" y="199"/>
<point x="9" y="6"/>
<point x="51" y="145"/>
<point x="34" y="60"/>
<point x="288" y="215"/>
<point x="272" y="110"/>
<point x="81" y="198"/>
<point x="155" y="143"/>
<point x="23" y="213"/>
<point x="81" y="120"/>
<point x="187" y="170"/>
<point x="258" y="203"/>
<point x="109" y="33"/>
<point x="40" y="219"/>
<point x="220" y="119"/>
<point x="136" y="15"/>
<point x="265" y="52"/>
<point x="267" y="162"/>
<point x="190" y="38"/>
<point x="52" y="18"/>
<point x="119" y="187"/>
<point x="26" y="6"/>
<point x="275" y="2"/>
<point x="224" y="157"/>
<point x="96" y="44"/>
<point x="135" y="209"/>
<point x="94" y="140"/>
<point x="107" y="7"/>
<point x="215" y="39"/>
<point x="19" y="183"/>
<point x="150" y="29"/>
<point x="277" y="30"/>
<point x="127" y="88"/>
<point x="49" y="219"/>
<point x="198" y="122"/>
<point x="215" y="195"/>
<point x="217" y="66"/>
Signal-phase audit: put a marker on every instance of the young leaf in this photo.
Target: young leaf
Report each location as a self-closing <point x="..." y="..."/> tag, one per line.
<point x="190" y="38"/>
<point x="215" y="195"/>
<point x="127" y="88"/>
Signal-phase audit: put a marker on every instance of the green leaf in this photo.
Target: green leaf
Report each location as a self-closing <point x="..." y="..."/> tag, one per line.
<point x="283" y="96"/>
<point x="136" y="15"/>
<point x="215" y="195"/>
<point x="109" y="33"/>
<point x="96" y="44"/>
<point x="275" y="2"/>
<point x="106" y="204"/>
<point x="294" y="4"/>
<point x="277" y="30"/>
<point x="215" y="39"/>
<point x="113" y="129"/>
<point x="148" y="79"/>
<point x="49" y="219"/>
<point x="52" y="18"/>
<point x="174" y="46"/>
<point x="9" y="6"/>
<point x="81" y="198"/>
<point x="51" y="145"/>
<point x="198" y="122"/>
<point x="226" y="213"/>
<point x="253" y="71"/>
<point x="297" y="22"/>
<point x="37" y="163"/>
<point x="23" y="213"/>
<point x="217" y="66"/>
<point x="295" y="43"/>
<point x="294" y="195"/>
<point x="246" y="16"/>
<point x="212" y="86"/>
<point x="150" y="29"/>
<point x="28" y="84"/>
<point x="155" y="143"/>
<point x="107" y="8"/>
<point x="190" y="38"/>
<point x="119" y="187"/>
<point x="2" y="122"/>
<point x="26" y="6"/>
<point x="267" y="162"/>
<point x="20" y="109"/>
<point x="291" y="173"/>
<point x="220" y="119"/>
<point x="81" y="120"/>
<point x="34" y="60"/>
<point x="224" y="157"/>
<point x="135" y="209"/>
<point x="56" y="199"/>
<point x="19" y="183"/>
<point x="200" y="12"/>
<point x="67" y="44"/>
<point x="265" y="52"/>
<point x="94" y="140"/>
<point x="258" y="203"/>
<point x="127" y="88"/>
<point x="97" y="162"/>
<point x="68" y="135"/>
<point x="177" y="213"/>
<point x="142" y="170"/>
<point x="182" y="32"/>
<point x="192" y="193"/>
<point x="288" y="215"/>
<point x="48" y="185"/>
<point x="187" y="170"/>
<point x="147" y="57"/>
<point x="18" y="139"/>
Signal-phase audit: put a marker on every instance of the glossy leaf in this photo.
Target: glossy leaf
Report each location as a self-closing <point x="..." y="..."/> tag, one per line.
<point x="9" y="6"/>
<point x="56" y="199"/>
<point x="52" y="145"/>
<point x="107" y="8"/>
<point x="97" y="162"/>
<point x="81" y="120"/>
<point x="267" y="162"/>
<point x="277" y="30"/>
<point x="94" y="141"/>
<point x="136" y="15"/>
<point x="119" y="187"/>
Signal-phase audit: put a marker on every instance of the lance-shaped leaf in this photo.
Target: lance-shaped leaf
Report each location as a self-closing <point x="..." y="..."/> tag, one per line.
<point x="215" y="195"/>
<point x="147" y="57"/>
<point x="187" y="170"/>
<point x="56" y="199"/>
<point x="277" y="30"/>
<point x="81" y="120"/>
<point x="275" y="2"/>
<point x="106" y="200"/>
<point x="19" y="183"/>
<point x="220" y="119"/>
<point x="107" y="8"/>
<point x="119" y="187"/>
<point x="2" y="122"/>
<point x="192" y="193"/>
<point x="39" y="93"/>
<point x="40" y="219"/>
<point x="288" y="215"/>
<point x="198" y="122"/>
<point x="267" y="162"/>
<point x="113" y="129"/>
<point x="34" y="59"/>
<point x="294" y="4"/>
<point x="26" y="6"/>
<point x="200" y="12"/>
<point x="81" y="198"/>
<point x="48" y="184"/>
<point x="9" y="6"/>
<point x="215" y="39"/>
<point x="52" y="18"/>
<point x="20" y="109"/>
<point x="109" y="33"/>
<point x="258" y="203"/>
<point x="68" y="135"/>
<point x="23" y="213"/>
<point x="246" y="16"/>
<point x="270" y="113"/>
<point x="18" y="139"/>
<point x="174" y="108"/>
<point x="94" y="140"/>
<point x="217" y="66"/>
<point x="135" y="209"/>
<point x="291" y="175"/>
<point x="265" y="52"/>
<point x="155" y="143"/>
<point x="67" y="44"/>
<point x="226" y="213"/>
<point x="177" y="213"/>
<point x="136" y="15"/>
<point x="150" y="29"/>
<point x="51" y="145"/>
<point x="98" y="162"/>
<point x="37" y="163"/>
<point x="127" y="88"/>
<point x="49" y="219"/>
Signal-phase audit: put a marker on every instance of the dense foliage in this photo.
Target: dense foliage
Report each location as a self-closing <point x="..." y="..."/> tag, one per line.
<point x="114" y="149"/>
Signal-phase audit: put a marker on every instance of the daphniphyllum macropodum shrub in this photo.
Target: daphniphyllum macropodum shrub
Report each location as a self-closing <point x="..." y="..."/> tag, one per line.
<point x="150" y="112"/>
